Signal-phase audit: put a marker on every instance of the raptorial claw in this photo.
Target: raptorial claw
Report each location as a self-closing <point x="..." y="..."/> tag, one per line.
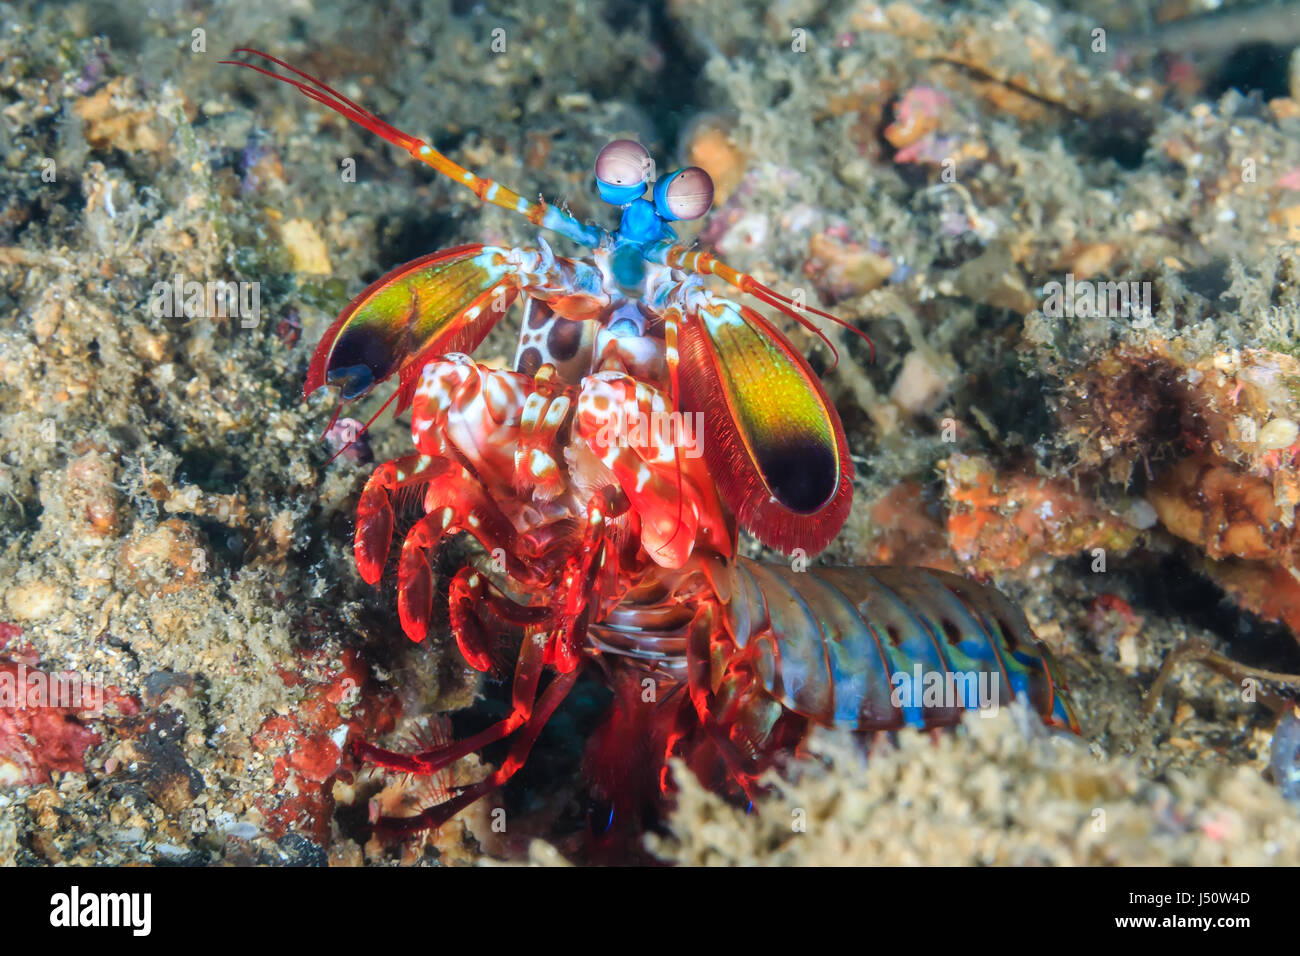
<point x="464" y="596"/>
<point x="414" y="590"/>
<point x="374" y="534"/>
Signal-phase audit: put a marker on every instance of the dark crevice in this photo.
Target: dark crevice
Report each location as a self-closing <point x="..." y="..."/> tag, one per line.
<point x="678" y="91"/>
<point x="1015" y="403"/>
<point x="213" y="471"/>
<point x="1177" y="591"/>
<point x="1251" y="68"/>
<point x="409" y="234"/>
<point x="1121" y="135"/>
<point x="556" y="760"/>
<point x="1209" y="281"/>
<point x="1167" y="588"/>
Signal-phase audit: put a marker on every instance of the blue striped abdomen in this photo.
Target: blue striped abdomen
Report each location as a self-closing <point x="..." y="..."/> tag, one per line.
<point x="876" y="648"/>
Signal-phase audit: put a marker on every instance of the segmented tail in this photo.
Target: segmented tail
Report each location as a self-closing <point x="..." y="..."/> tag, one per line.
<point x="846" y="646"/>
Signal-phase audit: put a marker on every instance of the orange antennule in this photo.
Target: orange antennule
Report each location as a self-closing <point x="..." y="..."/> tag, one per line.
<point x="702" y="263"/>
<point x="489" y="191"/>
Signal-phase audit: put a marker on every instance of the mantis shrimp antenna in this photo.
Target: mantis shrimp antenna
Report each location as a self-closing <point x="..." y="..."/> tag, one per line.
<point x="541" y="214"/>
<point x="538" y="213"/>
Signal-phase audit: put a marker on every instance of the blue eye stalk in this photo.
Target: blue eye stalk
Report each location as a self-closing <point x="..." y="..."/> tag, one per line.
<point x="624" y="169"/>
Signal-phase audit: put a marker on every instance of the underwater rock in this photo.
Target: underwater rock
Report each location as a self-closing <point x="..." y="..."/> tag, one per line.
<point x="1001" y="520"/>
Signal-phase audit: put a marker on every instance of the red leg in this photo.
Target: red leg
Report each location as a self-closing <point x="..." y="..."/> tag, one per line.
<point x="469" y="592"/>
<point x="700" y="688"/>
<point x="577" y="587"/>
<point x="374" y="533"/>
<point x="454" y="501"/>
<point x="684" y="724"/>
<point x="528" y="673"/>
<point x="436" y="816"/>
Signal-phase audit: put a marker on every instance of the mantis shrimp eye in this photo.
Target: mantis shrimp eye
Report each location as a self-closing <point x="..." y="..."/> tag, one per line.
<point x="686" y="194"/>
<point x="623" y="168"/>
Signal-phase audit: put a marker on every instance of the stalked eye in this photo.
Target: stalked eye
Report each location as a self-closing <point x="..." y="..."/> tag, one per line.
<point x="686" y="194"/>
<point x="623" y="168"/>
